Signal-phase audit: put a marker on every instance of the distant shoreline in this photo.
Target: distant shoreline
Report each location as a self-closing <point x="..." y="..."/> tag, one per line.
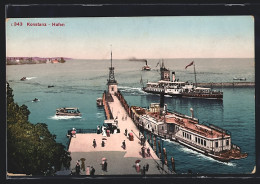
<point x="34" y="60"/>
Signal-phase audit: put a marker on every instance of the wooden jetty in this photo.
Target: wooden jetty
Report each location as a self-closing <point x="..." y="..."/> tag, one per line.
<point x="227" y="84"/>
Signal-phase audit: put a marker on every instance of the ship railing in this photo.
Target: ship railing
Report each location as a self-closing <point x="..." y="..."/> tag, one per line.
<point x="182" y="115"/>
<point x="214" y="127"/>
<point x="235" y="147"/>
<point x="108" y="111"/>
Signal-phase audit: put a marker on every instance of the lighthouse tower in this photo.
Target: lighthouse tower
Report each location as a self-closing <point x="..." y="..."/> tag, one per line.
<point x="111" y="82"/>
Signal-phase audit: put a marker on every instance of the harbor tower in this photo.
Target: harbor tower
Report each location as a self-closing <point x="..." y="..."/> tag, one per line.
<point x="165" y="73"/>
<point x="111" y="82"/>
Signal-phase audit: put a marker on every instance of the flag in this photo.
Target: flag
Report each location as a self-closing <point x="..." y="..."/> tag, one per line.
<point x="189" y="65"/>
<point x="158" y="63"/>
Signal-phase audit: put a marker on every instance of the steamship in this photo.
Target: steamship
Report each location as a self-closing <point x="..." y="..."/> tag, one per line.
<point x="180" y="89"/>
<point x="207" y="139"/>
<point x="146" y="67"/>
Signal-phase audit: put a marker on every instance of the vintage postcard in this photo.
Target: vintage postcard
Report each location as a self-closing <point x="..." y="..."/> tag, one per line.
<point x="130" y="96"/>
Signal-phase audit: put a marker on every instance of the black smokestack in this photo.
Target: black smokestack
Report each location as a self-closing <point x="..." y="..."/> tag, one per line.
<point x="161" y="102"/>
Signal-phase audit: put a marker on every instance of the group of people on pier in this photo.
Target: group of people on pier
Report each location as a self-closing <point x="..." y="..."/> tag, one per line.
<point x="138" y="167"/>
<point x="90" y="171"/>
<point x="95" y="143"/>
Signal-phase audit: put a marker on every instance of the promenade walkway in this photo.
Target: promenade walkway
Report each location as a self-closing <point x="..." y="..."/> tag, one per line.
<point x="120" y="161"/>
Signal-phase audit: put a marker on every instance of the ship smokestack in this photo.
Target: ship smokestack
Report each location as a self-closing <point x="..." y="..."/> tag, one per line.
<point x="192" y="113"/>
<point x="161" y="103"/>
<point x="173" y="76"/>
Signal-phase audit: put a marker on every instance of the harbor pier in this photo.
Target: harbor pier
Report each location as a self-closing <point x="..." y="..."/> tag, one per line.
<point x="120" y="161"/>
<point x="118" y="129"/>
<point x="227" y="84"/>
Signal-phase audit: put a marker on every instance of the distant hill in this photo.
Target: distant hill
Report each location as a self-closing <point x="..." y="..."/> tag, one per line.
<point x="34" y="60"/>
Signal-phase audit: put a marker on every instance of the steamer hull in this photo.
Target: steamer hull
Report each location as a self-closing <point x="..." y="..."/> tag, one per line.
<point x="207" y="139"/>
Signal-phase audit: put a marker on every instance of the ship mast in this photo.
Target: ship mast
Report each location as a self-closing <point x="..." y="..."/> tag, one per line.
<point x="111" y="79"/>
<point x="195" y="75"/>
<point x="111" y="82"/>
<point x="111" y="56"/>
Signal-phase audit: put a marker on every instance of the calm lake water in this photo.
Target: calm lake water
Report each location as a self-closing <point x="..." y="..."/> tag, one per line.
<point x="78" y="83"/>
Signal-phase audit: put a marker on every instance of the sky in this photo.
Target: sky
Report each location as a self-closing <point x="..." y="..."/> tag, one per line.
<point x="128" y="37"/>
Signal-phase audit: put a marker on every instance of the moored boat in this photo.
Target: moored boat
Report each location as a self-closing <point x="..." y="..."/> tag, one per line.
<point x="99" y="102"/>
<point x="23" y="79"/>
<point x="242" y="79"/>
<point x="207" y="139"/>
<point x="35" y="100"/>
<point x="68" y="111"/>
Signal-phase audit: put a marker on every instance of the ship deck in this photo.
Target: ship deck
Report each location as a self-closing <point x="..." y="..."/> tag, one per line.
<point x="191" y="125"/>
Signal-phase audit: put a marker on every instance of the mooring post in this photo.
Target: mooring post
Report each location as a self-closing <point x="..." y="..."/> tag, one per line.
<point x="156" y="144"/>
<point x="165" y="156"/>
<point x="152" y="141"/>
<point x="159" y="147"/>
<point x="173" y="164"/>
<point x="150" y="137"/>
<point x="162" y="158"/>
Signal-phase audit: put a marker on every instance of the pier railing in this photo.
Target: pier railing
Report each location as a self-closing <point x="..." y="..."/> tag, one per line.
<point x="86" y="131"/>
<point x="123" y="101"/>
<point x="107" y="109"/>
<point x="141" y="129"/>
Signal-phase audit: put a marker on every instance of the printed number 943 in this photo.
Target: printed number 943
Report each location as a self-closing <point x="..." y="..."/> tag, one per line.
<point x="17" y="24"/>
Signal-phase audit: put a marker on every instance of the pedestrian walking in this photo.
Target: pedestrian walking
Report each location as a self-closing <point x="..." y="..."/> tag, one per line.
<point x="92" y="172"/>
<point x="148" y="152"/>
<point x="143" y="152"/>
<point x="126" y="132"/>
<point x="137" y="167"/>
<point x="144" y="170"/>
<point x="77" y="168"/>
<point x="102" y="163"/>
<point x="142" y="140"/>
<point x="124" y="145"/>
<point x="94" y="143"/>
<point x="147" y="167"/>
<point x="105" y="166"/>
<point x="82" y="167"/>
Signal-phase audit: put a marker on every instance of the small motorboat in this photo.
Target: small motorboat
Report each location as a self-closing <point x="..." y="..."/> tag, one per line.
<point x="235" y="78"/>
<point x="99" y="102"/>
<point x="36" y="100"/>
<point x="68" y="111"/>
<point x="23" y="79"/>
<point x="146" y="68"/>
<point x="50" y="86"/>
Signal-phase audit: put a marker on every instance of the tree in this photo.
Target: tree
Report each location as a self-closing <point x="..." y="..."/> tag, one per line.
<point x="31" y="149"/>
